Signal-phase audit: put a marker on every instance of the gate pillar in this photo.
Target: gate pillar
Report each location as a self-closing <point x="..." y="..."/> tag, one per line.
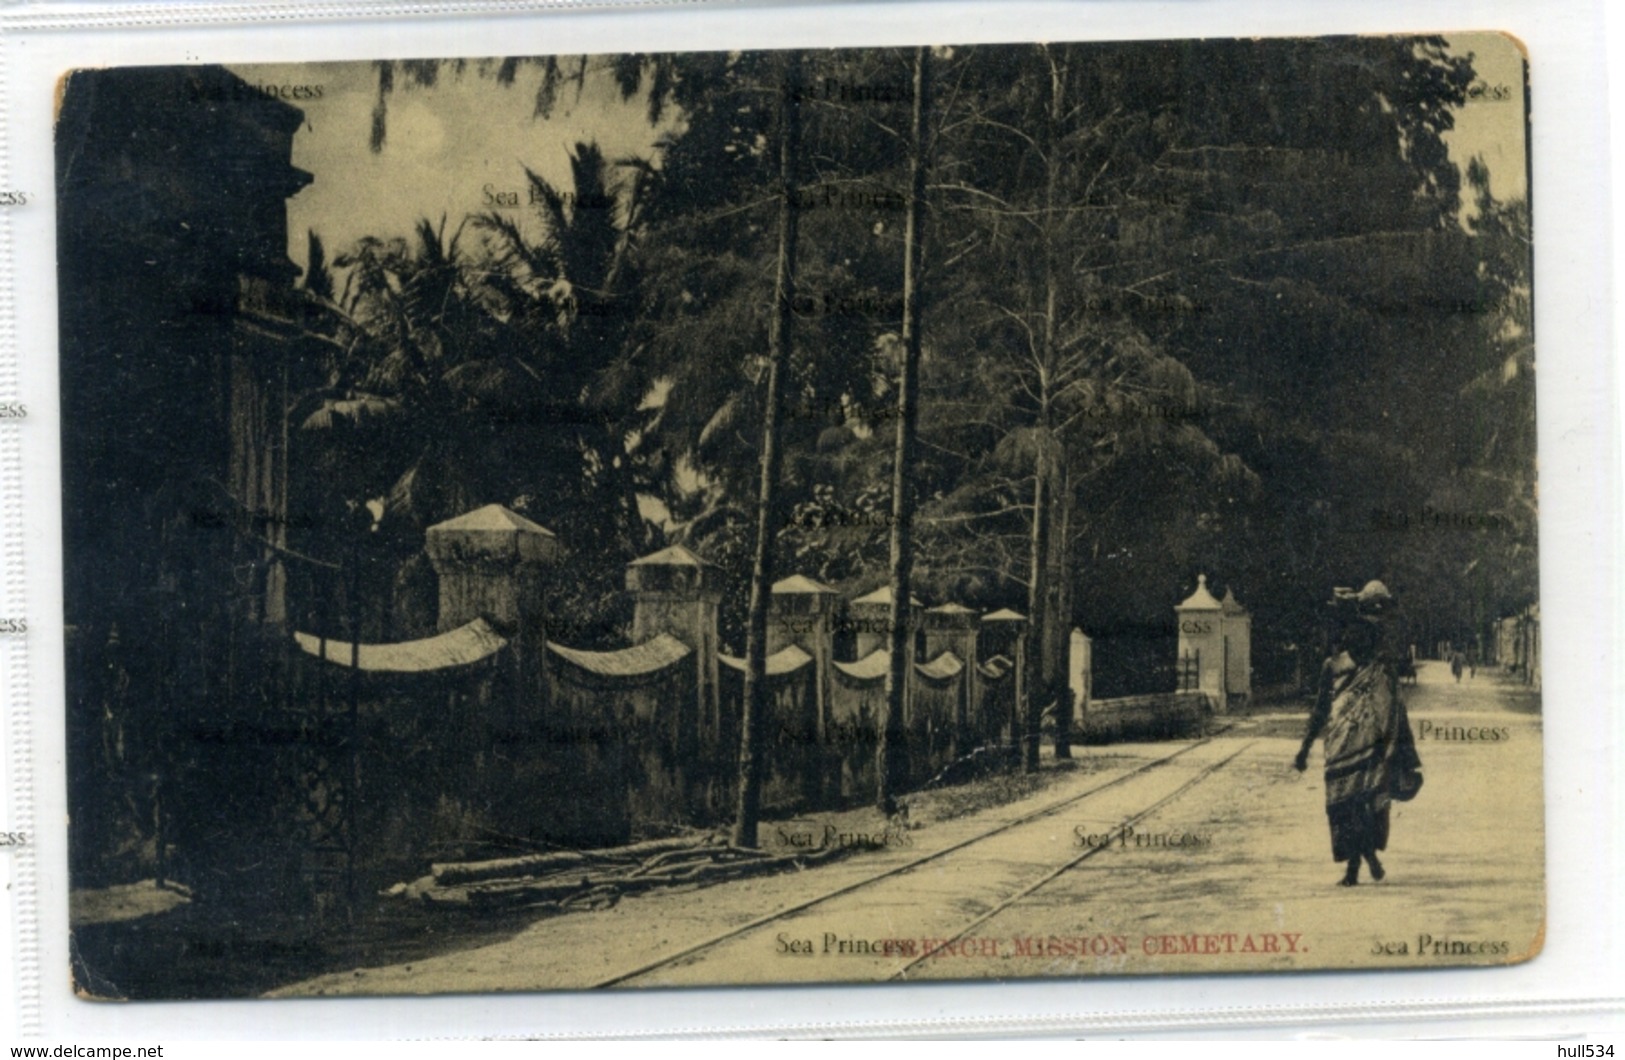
<point x="676" y="592"/>
<point x="1201" y="642"/>
<point x="492" y="563"/>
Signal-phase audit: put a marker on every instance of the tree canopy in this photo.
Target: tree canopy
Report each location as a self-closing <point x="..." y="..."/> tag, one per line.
<point x="1187" y="306"/>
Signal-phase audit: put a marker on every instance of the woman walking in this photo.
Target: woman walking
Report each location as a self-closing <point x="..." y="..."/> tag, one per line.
<point x="1371" y="754"/>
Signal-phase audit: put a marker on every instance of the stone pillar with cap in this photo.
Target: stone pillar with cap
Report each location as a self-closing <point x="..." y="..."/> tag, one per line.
<point x="951" y="627"/>
<point x="677" y="592"/>
<point x="802" y="612"/>
<point x="870" y="615"/>
<point x="1201" y="639"/>
<point x="493" y="563"/>
<point x="1004" y="632"/>
<point x="954" y="627"/>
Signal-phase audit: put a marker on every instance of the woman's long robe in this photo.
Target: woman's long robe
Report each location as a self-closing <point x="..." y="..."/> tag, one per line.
<point x="1369" y="746"/>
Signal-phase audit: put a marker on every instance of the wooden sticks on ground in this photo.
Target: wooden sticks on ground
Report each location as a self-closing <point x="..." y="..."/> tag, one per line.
<point x="569" y="880"/>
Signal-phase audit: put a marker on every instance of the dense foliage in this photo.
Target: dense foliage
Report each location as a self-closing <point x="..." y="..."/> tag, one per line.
<point x="1217" y="306"/>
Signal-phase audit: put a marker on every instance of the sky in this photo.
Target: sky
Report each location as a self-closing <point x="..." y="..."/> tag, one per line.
<point x="1490" y="126"/>
<point x="448" y="144"/>
<point x="445" y="146"/>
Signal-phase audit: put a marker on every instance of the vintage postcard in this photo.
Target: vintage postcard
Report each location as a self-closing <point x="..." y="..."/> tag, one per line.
<point x="951" y="512"/>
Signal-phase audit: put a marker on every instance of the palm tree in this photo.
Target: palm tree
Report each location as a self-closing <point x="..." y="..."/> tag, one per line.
<point x="499" y="373"/>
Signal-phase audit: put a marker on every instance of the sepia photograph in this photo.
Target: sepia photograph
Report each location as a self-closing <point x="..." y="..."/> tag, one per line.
<point x="990" y="512"/>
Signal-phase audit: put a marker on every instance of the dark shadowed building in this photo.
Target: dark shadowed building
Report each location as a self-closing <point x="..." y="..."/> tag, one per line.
<point x="180" y="345"/>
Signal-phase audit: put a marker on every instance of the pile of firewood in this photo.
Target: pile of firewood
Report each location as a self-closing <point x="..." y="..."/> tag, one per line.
<point x="568" y="880"/>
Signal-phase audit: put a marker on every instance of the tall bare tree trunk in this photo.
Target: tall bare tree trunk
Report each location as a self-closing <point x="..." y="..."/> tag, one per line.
<point x="1060" y="639"/>
<point x="892" y="734"/>
<point x="1033" y="709"/>
<point x="1040" y="596"/>
<point x="749" y="806"/>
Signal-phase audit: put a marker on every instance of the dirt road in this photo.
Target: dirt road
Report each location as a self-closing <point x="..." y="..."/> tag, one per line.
<point x="1206" y="856"/>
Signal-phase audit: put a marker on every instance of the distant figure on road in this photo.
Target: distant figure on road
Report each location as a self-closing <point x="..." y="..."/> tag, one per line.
<point x="1458" y="662"/>
<point x="1371" y="754"/>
